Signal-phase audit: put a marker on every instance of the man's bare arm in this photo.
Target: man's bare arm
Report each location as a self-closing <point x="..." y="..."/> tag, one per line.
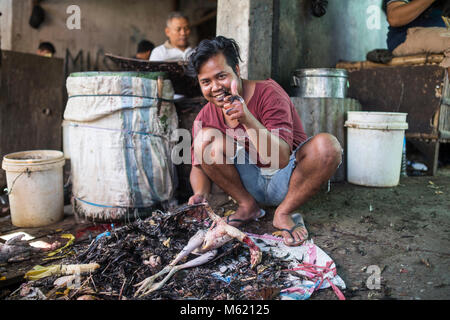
<point x="400" y="13"/>
<point x="259" y="136"/>
<point x="200" y="183"/>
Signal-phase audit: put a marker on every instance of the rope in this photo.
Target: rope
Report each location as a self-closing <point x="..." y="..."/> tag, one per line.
<point x="107" y="206"/>
<point x="121" y="95"/>
<point x="120" y="130"/>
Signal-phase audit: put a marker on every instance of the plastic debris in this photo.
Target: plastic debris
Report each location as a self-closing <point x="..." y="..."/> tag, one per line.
<point x="228" y="213"/>
<point x="105" y="234"/>
<point x="69" y="243"/>
<point x="166" y="243"/>
<point x="88" y="297"/>
<point x="94" y="229"/>
<point x="316" y="269"/>
<point x="426" y="262"/>
<point x="64" y="281"/>
<point x="39" y="272"/>
<point x="219" y="276"/>
<point x="417" y="166"/>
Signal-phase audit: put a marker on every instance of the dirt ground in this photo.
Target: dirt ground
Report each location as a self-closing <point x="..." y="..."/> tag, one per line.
<point x="403" y="230"/>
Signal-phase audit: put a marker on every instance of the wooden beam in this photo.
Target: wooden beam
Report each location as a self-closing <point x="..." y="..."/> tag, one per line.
<point x="203" y="19"/>
<point x="397" y="61"/>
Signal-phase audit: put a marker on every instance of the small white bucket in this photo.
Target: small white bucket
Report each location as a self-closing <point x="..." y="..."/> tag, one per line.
<point x="374" y="147"/>
<point x="35" y="187"/>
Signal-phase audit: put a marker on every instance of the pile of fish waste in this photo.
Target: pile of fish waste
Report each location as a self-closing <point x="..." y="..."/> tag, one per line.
<point x="131" y="253"/>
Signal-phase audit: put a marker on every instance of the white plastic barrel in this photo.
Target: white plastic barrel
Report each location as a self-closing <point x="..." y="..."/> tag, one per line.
<point x="374" y="147"/>
<point x="35" y="187"/>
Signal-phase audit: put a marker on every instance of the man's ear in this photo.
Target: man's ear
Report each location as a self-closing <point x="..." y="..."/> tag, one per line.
<point x="167" y="31"/>
<point x="238" y="71"/>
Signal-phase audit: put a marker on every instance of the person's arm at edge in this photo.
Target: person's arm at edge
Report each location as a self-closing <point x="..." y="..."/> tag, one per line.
<point x="400" y="13"/>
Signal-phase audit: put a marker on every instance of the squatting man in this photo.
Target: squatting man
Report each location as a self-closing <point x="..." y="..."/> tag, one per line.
<point x="249" y="140"/>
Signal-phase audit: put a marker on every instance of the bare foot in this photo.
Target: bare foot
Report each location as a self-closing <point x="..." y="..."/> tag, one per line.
<point x="294" y="232"/>
<point x="245" y="213"/>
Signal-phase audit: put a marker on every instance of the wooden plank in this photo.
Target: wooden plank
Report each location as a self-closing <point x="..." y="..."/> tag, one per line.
<point x="182" y="84"/>
<point x="421" y="59"/>
<point x="401" y="89"/>
<point x="6" y="226"/>
<point x="444" y="122"/>
<point x="68" y="223"/>
<point x="31" y="108"/>
<point x="421" y="136"/>
<point x="14" y="272"/>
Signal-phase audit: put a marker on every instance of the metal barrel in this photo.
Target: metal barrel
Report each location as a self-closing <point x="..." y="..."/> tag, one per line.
<point x="320" y="83"/>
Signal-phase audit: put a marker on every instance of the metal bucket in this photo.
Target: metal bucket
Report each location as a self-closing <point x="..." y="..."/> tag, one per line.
<point x="320" y="83"/>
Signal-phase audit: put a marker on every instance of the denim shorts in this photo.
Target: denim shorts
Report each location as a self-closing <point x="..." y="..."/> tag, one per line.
<point x="269" y="190"/>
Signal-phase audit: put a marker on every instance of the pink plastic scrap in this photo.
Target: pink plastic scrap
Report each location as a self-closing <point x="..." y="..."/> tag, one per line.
<point x="316" y="266"/>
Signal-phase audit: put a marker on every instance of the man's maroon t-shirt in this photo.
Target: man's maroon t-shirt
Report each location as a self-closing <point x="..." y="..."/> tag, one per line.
<point x="270" y="105"/>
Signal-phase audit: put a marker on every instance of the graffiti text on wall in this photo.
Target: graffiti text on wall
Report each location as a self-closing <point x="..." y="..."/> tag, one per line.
<point x="85" y="61"/>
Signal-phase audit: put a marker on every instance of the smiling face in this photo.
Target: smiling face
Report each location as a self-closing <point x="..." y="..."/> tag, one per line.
<point x="215" y="77"/>
<point x="178" y="32"/>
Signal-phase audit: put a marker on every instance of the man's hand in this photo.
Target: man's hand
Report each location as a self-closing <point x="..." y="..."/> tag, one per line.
<point x="197" y="198"/>
<point x="235" y="106"/>
<point x="198" y="213"/>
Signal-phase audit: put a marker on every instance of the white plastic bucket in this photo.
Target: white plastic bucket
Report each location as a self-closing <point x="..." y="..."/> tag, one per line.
<point x="374" y="147"/>
<point x="35" y="187"/>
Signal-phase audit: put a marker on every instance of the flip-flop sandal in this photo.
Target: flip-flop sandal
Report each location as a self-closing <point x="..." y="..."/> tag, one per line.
<point x="262" y="213"/>
<point x="298" y="220"/>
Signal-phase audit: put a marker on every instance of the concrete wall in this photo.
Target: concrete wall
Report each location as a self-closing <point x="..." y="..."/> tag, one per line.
<point x="348" y="30"/>
<point x="280" y="36"/>
<point x="276" y="36"/>
<point x="249" y="22"/>
<point x="107" y="26"/>
<point x="233" y="22"/>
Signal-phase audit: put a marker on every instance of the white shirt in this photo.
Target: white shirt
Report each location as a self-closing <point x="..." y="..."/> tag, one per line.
<point x="166" y="52"/>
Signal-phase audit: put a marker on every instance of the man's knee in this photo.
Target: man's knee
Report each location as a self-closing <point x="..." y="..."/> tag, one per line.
<point x="330" y="149"/>
<point x="326" y="149"/>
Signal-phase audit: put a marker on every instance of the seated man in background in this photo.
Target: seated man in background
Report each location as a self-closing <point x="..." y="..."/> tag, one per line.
<point x="418" y="26"/>
<point x="144" y="50"/>
<point x="176" y="48"/>
<point x="249" y="140"/>
<point x="46" y="49"/>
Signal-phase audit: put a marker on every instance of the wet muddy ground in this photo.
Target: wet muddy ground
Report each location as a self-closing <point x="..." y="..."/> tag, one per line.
<point x="404" y="231"/>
